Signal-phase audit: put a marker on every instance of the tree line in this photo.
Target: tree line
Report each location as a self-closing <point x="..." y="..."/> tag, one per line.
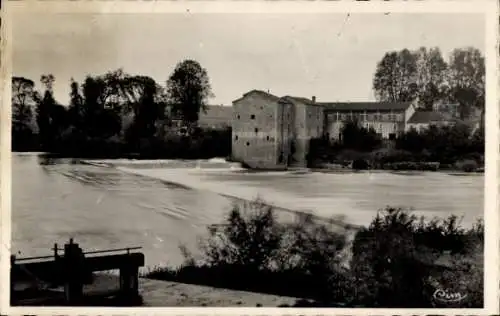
<point x="422" y="76"/>
<point x="425" y="76"/>
<point x="114" y="109"/>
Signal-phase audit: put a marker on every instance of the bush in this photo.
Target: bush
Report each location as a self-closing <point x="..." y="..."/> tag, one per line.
<point x="467" y="165"/>
<point x="349" y="155"/>
<point x="252" y="251"/>
<point x="359" y="138"/>
<point x="409" y="165"/>
<point x="360" y="164"/>
<point x="395" y="262"/>
<point x="444" y="144"/>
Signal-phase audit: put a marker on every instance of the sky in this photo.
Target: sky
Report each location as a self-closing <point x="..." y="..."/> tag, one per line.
<point x="329" y="55"/>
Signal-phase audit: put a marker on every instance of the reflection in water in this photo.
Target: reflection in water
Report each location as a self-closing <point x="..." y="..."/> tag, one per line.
<point x="55" y="199"/>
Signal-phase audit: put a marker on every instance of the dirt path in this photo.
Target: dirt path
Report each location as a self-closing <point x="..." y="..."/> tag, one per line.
<point x="157" y="293"/>
<point x="162" y="293"/>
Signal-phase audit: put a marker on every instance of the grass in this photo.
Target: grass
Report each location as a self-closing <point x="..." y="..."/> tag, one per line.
<point x="398" y="261"/>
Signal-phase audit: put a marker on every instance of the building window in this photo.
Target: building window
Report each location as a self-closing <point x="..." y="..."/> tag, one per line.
<point x="236" y="137"/>
<point x="256" y="130"/>
<point x="248" y="143"/>
<point x="267" y="137"/>
<point x="238" y="116"/>
<point x="252" y="117"/>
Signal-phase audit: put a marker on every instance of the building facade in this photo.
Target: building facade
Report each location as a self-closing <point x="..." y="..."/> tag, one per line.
<point x="270" y="132"/>
<point x="387" y="119"/>
<point x="306" y="123"/>
<point x="260" y="129"/>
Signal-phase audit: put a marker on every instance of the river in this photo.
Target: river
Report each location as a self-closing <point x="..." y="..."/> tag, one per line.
<point x="161" y="206"/>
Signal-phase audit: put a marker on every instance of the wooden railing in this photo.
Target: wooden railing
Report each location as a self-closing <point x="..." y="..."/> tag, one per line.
<point x="74" y="268"/>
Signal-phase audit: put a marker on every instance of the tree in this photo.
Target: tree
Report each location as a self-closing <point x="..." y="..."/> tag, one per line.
<point x="75" y="105"/>
<point x="395" y="77"/>
<point x="101" y="119"/>
<point x="431" y="69"/>
<point x="466" y="79"/>
<point x="188" y="90"/>
<point x="23" y="97"/>
<point x="359" y="138"/>
<point x="44" y="110"/>
<point x="424" y="75"/>
<point x="148" y="107"/>
<point x="52" y="118"/>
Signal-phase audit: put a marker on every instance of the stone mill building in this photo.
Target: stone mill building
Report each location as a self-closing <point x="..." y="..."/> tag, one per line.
<point x="271" y="132"/>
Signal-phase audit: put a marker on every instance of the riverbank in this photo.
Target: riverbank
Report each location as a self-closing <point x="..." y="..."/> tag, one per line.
<point x="395" y="262"/>
<point x="157" y="293"/>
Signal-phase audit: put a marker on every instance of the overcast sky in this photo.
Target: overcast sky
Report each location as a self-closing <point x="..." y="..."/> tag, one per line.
<point x="327" y="55"/>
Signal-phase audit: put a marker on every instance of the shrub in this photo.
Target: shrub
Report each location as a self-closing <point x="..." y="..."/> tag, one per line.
<point x="251" y="239"/>
<point x="252" y="251"/>
<point x="350" y="155"/>
<point x="359" y="138"/>
<point x="360" y="164"/>
<point x="397" y="261"/>
<point x="467" y="165"/>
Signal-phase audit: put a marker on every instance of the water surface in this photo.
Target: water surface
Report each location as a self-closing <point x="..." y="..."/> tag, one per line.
<point x="137" y="204"/>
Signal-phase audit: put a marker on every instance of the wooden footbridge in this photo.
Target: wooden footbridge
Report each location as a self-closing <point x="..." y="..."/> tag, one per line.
<point x="70" y="271"/>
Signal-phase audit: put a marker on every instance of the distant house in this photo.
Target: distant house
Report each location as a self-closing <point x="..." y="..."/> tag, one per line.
<point x="387" y="119"/>
<point x="421" y="120"/>
<point x="447" y="110"/>
<point x="216" y="117"/>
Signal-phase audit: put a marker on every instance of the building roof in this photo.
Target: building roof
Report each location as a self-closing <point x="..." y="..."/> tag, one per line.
<point x="260" y="92"/>
<point x="365" y="106"/>
<point x="299" y="99"/>
<point x="422" y="117"/>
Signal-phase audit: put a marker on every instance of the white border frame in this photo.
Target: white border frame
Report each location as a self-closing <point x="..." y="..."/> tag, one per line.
<point x="491" y="216"/>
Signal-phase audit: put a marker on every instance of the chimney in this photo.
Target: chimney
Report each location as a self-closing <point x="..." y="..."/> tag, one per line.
<point x="313" y="99"/>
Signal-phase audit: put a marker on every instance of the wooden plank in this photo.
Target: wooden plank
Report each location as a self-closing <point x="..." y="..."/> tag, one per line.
<point x="112" y="262"/>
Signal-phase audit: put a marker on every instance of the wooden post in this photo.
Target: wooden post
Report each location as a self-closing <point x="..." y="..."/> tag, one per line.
<point x="12" y="281"/>
<point x="129" y="280"/>
<point x="73" y="266"/>
<point x="56" y="255"/>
